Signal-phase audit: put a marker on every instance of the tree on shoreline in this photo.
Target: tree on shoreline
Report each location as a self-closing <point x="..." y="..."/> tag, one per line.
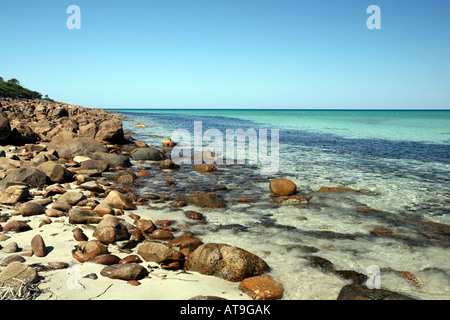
<point x="13" y="89"/>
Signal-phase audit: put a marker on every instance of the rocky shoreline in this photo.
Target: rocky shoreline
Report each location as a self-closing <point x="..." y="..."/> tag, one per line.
<point x="69" y="199"/>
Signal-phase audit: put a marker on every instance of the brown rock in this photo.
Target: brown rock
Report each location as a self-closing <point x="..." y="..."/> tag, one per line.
<point x="282" y="187"/>
<point x="16" y="273"/>
<point x="145" y="225"/>
<point x="100" y="165"/>
<point x="159" y="252"/>
<point x="262" y="287"/>
<point x="55" y="172"/>
<point x="190" y="244"/>
<point x="72" y="197"/>
<point x="194" y="215"/>
<point x="129" y="271"/>
<point x="110" y="230"/>
<point x="160" y="234"/>
<point x="175" y="242"/>
<point x="103" y="209"/>
<point x="79" y="235"/>
<point x="61" y="206"/>
<point x="87" y="250"/>
<point x="16" y="226"/>
<point x="14" y="194"/>
<point x="80" y="216"/>
<point x="168" y="143"/>
<point x="106" y="259"/>
<point x="30" y="209"/>
<point x="12" y="258"/>
<point x="130" y="259"/>
<point x="117" y="200"/>
<point x="54" y="213"/>
<point x="38" y="246"/>
<point x="362" y="292"/>
<point x="225" y="261"/>
<point x="111" y="131"/>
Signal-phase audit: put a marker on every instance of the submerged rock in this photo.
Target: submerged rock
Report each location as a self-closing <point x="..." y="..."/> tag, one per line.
<point x="200" y="199"/>
<point x="362" y="292"/>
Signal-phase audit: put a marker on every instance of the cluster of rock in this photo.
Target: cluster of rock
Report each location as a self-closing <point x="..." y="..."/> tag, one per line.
<point x="51" y="147"/>
<point x="69" y="162"/>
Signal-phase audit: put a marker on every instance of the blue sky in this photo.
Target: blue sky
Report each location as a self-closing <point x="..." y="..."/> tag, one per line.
<point x="231" y="54"/>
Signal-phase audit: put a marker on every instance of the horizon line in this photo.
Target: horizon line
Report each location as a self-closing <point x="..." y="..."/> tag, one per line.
<point x="271" y="109"/>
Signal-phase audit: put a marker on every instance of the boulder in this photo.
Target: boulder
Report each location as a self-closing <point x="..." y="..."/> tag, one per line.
<point x="225" y="261"/>
<point x="148" y="154"/>
<point x="362" y="292"/>
<point x="128" y="271"/>
<point x="103" y="209"/>
<point x="5" y="128"/>
<point x="26" y="175"/>
<point x="117" y="200"/>
<point x="100" y="165"/>
<point x="152" y="251"/>
<point x="77" y="147"/>
<point x="146" y="226"/>
<point x="110" y="230"/>
<point x="282" y="187"/>
<point x="88" y="250"/>
<point x="38" y="246"/>
<point x="113" y="160"/>
<point x="72" y="197"/>
<point x="55" y="172"/>
<point x="111" y="131"/>
<point x="16" y="273"/>
<point x="161" y="234"/>
<point x="28" y="209"/>
<point x="21" y="134"/>
<point x="80" y="216"/>
<point x="14" y="194"/>
<point x="88" y="130"/>
<point x="262" y="287"/>
<point x="16" y="226"/>
<point x="92" y="186"/>
<point x="106" y="259"/>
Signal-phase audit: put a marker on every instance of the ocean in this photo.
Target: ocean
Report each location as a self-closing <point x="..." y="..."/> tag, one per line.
<point x="392" y="211"/>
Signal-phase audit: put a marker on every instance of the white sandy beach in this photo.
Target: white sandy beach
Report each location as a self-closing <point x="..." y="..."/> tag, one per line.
<point x="69" y="284"/>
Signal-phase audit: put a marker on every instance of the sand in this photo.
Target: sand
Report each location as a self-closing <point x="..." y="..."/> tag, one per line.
<point x="70" y="284"/>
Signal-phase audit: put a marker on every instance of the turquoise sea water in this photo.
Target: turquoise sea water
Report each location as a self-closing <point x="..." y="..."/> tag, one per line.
<point x="401" y="157"/>
<point x="418" y="126"/>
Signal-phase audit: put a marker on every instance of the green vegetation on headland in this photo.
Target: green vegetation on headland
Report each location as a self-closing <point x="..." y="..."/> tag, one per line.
<point x="12" y="89"/>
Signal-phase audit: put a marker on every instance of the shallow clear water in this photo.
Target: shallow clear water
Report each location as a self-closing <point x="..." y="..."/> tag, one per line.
<point x="401" y="157"/>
